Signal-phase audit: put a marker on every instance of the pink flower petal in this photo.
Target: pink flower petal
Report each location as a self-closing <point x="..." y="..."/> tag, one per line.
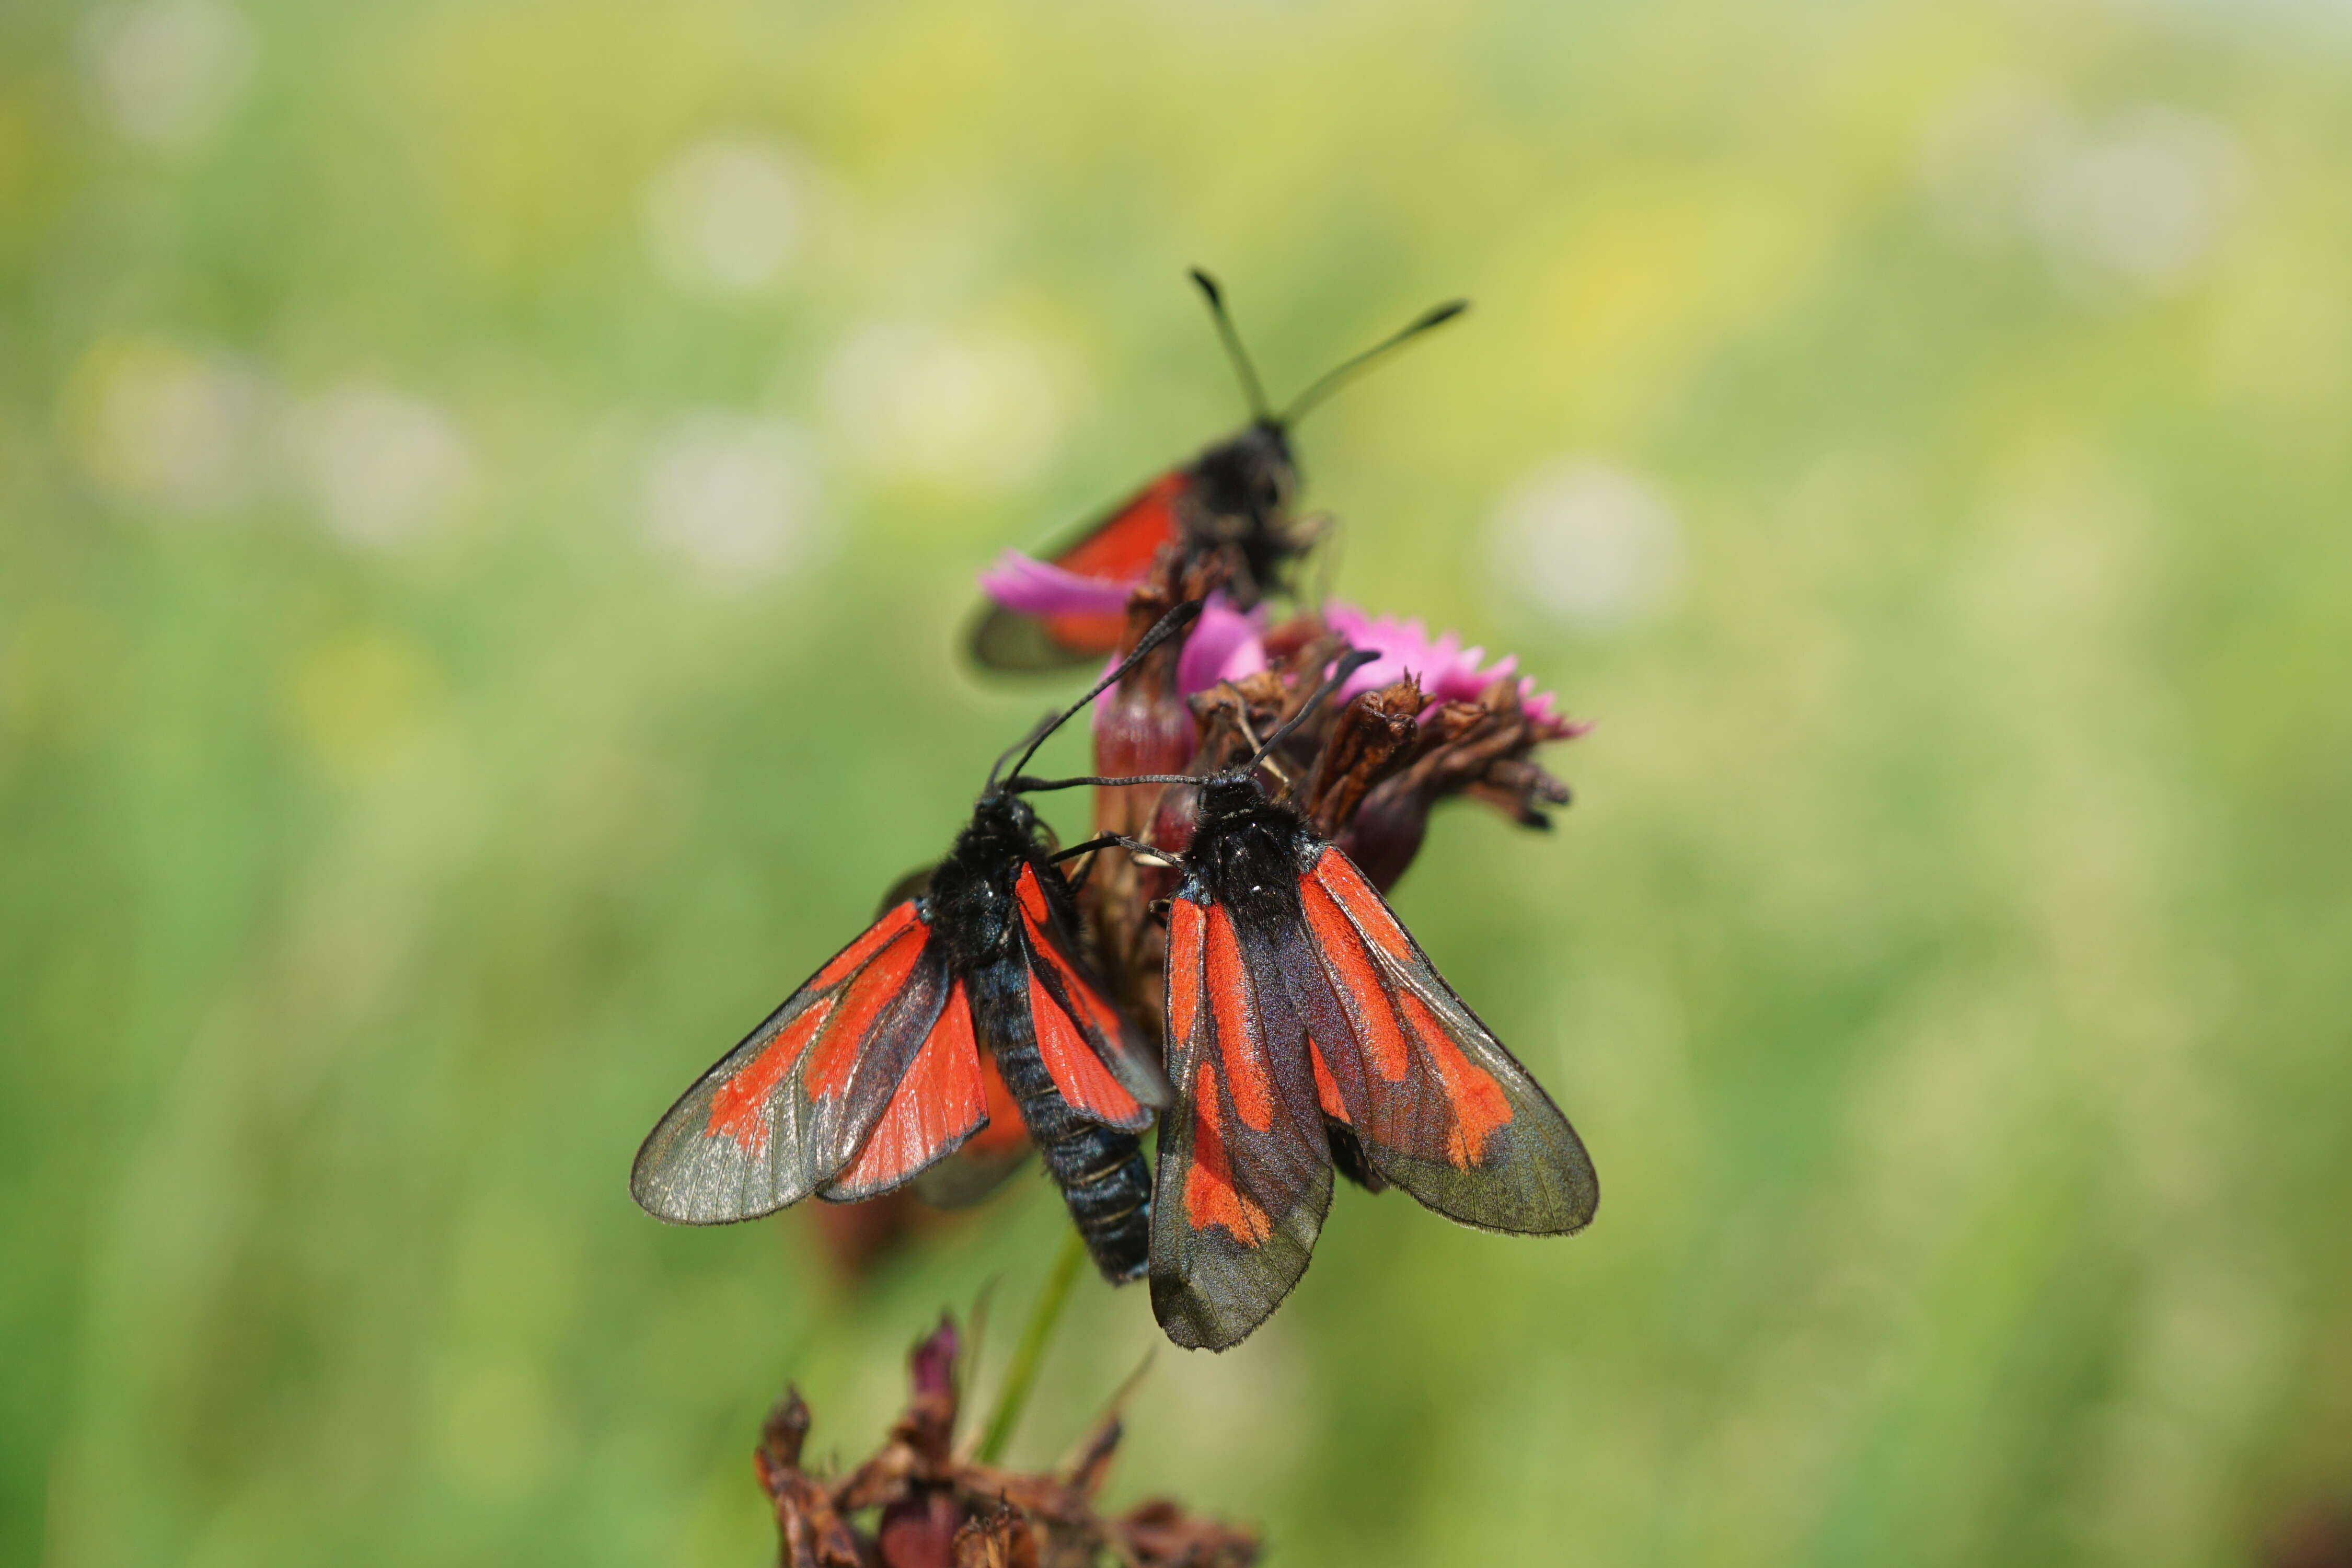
<point x="1224" y="645"/>
<point x="1032" y="587"/>
<point x="1448" y="671"/>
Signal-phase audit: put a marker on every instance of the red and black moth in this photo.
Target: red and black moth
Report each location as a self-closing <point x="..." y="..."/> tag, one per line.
<point x="1235" y="497"/>
<point x="1306" y="1030"/>
<point x="968" y="997"/>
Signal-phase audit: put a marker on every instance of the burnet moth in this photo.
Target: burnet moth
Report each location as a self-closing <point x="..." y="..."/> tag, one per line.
<point x="970" y="993"/>
<point x="1306" y="1030"/>
<point x="1235" y="497"/>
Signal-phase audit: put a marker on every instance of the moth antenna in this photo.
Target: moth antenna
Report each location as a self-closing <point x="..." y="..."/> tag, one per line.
<point x="1022" y="784"/>
<point x="1034" y="736"/>
<point x="1348" y="370"/>
<point x="1249" y="738"/>
<point x="1249" y="731"/>
<point x="1348" y="664"/>
<point x="1252" y="388"/>
<point x="1132" y="845"/>
<point x="1166" y="626"/>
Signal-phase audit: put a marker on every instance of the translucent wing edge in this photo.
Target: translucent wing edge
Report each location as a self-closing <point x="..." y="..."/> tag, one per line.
<point x="1544" y="1171"/>
<point x="688" y="1174"/>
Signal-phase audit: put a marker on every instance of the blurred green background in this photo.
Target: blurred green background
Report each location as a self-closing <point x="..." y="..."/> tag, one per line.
<point x="487" y="493"/>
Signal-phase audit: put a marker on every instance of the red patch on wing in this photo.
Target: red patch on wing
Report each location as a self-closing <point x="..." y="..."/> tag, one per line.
<point x="1006" y="1130"/>
<point x="1032" y="897"/>
<point x="864" y="947"/>
<point x="1229" y="1004"/>
<point x="1352" y="965"/>
<point x="835" y="1055"/>
<point x="1126" y="543"/>
<point x="735" y="1109"/>
<point x="1072" y="1063"/>
<point x="1184" y="919"/>
<point x="1098" y="1013"/>
<point x="940" y="1099"/>
<point x="1326" y="1087"/>
<point x="1477" y="1101"/>
<point x="1118" y="552"/>
<point x="1346" y="886"/>
<point x="1083" y="631"/>
<point x="1210" y="1195"/>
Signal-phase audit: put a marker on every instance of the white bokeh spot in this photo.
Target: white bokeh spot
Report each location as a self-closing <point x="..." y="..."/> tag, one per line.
<point x="382" y="466"/>
<point x="165" y="75"/>
<point x="731" y="495"/>
<point x="2142" y="205"/>
<point x="1589" y="543"/>
<point x="727" y="217"/>
<point x="2134" y="205"/>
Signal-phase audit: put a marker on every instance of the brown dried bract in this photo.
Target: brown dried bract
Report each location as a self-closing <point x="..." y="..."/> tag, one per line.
<point x="936" y="1509"/>
<point x="1480" y="749"/>
<point x="1372" y="737"/>
<point x="809" y="1530"/>
<point x="1159" y="1532"/>
<point x="1001" y="1539"/>
<point x="1141" y="725"/>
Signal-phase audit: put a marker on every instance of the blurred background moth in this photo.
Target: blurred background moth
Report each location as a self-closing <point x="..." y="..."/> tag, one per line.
<point x="1234" y="499"/>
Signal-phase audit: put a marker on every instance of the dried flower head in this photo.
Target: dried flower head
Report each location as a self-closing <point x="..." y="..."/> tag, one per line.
<point x="934" y="1506"/>
<point x="1427" y="720"/>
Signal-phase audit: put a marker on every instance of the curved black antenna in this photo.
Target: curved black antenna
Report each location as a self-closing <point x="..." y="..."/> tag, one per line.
<point x="1347" y="370"/>
<point x="1166" y="626"/>
<point x="1032" y="737"/>
<point x="1251" y="388"/>
<point x="1021" y="784"/>
<point x="1350" y="662"/>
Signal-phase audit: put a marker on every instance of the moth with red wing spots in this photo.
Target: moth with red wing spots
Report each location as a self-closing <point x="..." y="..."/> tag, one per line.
<point x="1306" y="1030"/>
<point x="1233" y="498"/>
<point x="969" y="992"/>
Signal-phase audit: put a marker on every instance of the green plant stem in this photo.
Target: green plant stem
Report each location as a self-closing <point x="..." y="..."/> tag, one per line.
<point x="1021" y="1374"/>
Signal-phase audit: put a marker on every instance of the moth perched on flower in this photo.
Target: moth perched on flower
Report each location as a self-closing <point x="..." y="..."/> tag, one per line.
<point x="969" y="1002"/>
<point x="1231" y="503"/>
<point x="1304" y="1030"/>
<point x="1219" y="956"/>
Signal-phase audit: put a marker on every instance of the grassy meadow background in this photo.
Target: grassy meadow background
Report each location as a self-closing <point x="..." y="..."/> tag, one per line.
<point x="488" y="493"/>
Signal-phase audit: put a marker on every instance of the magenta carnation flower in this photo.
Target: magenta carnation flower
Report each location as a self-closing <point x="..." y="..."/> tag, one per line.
<point x="1228" y="644"/>
<point x="1447" y="672"/>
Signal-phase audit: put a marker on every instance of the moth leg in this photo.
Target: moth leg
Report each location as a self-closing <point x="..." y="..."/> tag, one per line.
<point x="1135" y="847"/>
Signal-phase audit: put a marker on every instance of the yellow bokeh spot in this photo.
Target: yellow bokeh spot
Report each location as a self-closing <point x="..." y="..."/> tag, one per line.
<point x="357" y="705"/>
